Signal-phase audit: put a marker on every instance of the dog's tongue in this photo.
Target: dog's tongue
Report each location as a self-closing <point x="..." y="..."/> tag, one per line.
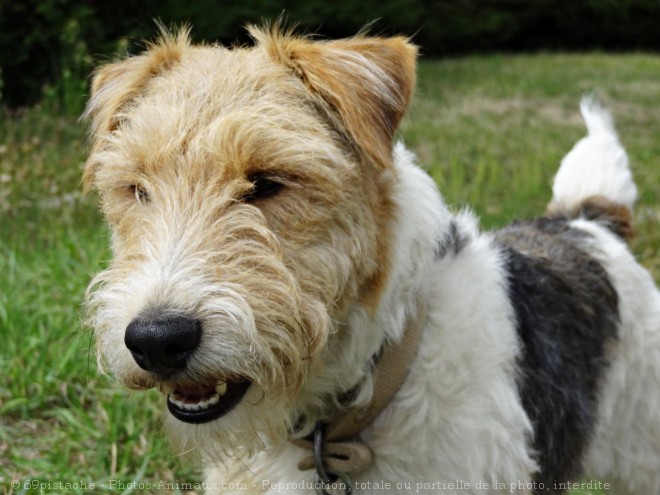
<point x="198" y="394"/>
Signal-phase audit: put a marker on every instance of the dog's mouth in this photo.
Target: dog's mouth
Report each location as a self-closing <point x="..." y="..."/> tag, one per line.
<point x="204" y="403"/>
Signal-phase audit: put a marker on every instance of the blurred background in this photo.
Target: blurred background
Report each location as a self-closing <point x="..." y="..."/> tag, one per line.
<point x="55" y="42"/>
<point x="495" y="111"/>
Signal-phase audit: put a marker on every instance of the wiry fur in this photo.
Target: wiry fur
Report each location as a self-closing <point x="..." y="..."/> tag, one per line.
<point x="298" y="292"/>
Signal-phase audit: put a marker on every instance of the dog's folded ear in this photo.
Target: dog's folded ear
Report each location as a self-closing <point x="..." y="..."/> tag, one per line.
<point x="115" y="85"/>
<point x="365" y="83"/>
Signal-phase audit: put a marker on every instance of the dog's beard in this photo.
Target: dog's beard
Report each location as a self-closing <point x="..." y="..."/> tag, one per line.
<point x="257" y="422"/>
<point x="276" y="362"/>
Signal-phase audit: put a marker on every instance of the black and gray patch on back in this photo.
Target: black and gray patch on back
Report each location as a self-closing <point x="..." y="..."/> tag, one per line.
<point x="452" y="242"/>
<point x="567" y="316"/>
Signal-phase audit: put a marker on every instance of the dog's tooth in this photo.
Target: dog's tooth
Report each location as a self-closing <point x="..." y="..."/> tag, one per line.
<point x="191" y="406"/>
<point x="203" y="404"/>
<point x="221" y="388"/>
<point x="176" y="402"/>
<point x="214" y="399"/>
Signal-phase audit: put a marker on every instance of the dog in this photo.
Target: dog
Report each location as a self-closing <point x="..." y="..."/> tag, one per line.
<point x="315" y="316"/>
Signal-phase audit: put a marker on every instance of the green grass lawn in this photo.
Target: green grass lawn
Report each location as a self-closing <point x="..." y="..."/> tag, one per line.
<point x="490" y="130"/>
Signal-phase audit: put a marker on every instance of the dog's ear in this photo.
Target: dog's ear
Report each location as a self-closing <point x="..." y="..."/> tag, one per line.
<point x="116" y="85"/>
<point x="366" y="83"/>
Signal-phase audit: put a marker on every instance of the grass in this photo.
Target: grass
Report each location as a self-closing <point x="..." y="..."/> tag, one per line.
<point x="491" y="131"/>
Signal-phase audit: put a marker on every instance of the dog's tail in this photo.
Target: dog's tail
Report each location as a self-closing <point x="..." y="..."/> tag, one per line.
<point x="594" y="179"/>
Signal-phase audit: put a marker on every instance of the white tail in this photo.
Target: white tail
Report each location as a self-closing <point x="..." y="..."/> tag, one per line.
<point x="596" y="166"/>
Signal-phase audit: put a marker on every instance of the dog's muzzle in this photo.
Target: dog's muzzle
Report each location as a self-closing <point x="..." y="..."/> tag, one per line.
<point x="164" y="346"/>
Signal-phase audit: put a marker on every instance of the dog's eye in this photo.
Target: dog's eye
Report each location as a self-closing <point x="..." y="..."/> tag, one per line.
<point x="140" y="193"/>
<point x="262" y="187"/>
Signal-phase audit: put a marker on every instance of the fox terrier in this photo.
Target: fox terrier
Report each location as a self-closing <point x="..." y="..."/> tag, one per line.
<point x="319" y="321"/>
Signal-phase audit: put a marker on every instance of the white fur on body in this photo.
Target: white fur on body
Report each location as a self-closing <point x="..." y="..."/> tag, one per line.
<point x="626" y="447"/>
<point x="458" y="418"/>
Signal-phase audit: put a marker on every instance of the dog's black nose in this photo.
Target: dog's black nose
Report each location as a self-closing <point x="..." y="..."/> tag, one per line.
<point x="163" y="346"/>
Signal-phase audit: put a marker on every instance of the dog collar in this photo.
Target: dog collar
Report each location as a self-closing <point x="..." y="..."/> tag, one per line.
<point x="336" y="448"/>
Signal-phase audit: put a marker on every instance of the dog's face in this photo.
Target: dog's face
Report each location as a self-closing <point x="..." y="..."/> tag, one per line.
<point x="246" y="192"/>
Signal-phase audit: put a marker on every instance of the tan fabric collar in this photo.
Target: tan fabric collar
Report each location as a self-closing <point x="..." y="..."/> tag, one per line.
<point x="343" y="452"/>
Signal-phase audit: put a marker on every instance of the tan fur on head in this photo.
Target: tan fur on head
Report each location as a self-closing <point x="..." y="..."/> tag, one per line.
<point x="115" y="85"/>
<point x="366" y="82"/>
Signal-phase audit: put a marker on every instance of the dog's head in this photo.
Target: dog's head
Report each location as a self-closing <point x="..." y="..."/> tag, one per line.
<point x="247" y="195"/>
